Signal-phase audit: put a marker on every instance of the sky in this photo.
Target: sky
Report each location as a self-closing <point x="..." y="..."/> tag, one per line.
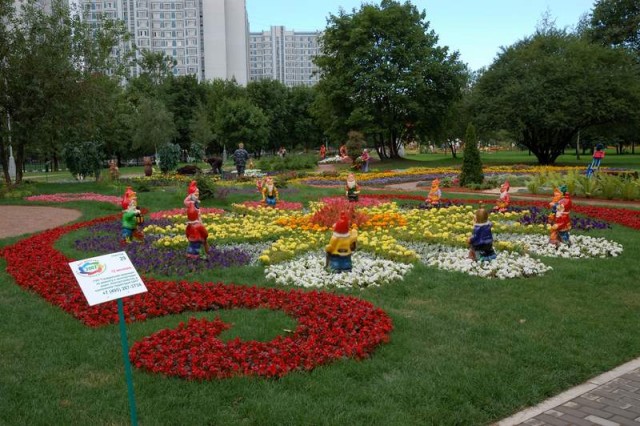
<point x="475" y="28"/>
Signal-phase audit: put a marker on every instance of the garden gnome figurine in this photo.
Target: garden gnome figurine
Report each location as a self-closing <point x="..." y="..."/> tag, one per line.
<point x="557" y="196"/>
<point x="148" y="166"/>
<point x="561" y="224"/>
<point x="196" y="234"/>
<point x="352" y="189"/>
<point x="566" y="197"/>
<point x="114" y="172"/>
<point x="131" y="218"/>
<point x="434" y="193"/>
<point x="481" y="240"/>
<point x="193" y="194"/>
<point x="269" y="192"/>
<point x="503" y="201"/>
<point x="341" y="245"/>
<point x="128" y="194"/>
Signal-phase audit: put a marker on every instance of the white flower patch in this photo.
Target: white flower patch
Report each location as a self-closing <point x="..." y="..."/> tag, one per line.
<point x="582" y="246"/>
<point x="505" y="265"/>
<point x="309" y="271"/>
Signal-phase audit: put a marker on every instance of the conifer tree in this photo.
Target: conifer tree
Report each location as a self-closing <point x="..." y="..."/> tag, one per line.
<point x="471" y="163"/>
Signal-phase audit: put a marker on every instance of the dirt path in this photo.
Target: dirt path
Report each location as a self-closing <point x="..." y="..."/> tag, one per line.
<point x="19" y="220"/>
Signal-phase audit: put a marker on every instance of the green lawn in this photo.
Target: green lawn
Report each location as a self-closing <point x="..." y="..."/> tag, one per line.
<point x="464" y="350"/>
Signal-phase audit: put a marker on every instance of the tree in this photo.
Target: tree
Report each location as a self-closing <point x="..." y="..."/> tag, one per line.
<point x="48" y="63"/>
<point x="380" y="70"/>
<point x="153" y="126"/>
<point x="616" y="23"/>
<point x="547" y="87"/>
<point x="182" y="95"/>
<point x="238" y="120"/>
<point x="303" y="129"/>
<point x="84" y="159"/>
<point x="272" y="97"/>
<point x="200" y="128"/>
<point x="471" y="163"/>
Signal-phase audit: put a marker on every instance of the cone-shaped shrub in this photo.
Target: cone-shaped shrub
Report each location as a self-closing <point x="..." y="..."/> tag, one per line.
<point x="471" y="164"/>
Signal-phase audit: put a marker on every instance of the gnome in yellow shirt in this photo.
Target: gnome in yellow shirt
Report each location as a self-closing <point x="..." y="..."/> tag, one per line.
<point x="341" y="245"/>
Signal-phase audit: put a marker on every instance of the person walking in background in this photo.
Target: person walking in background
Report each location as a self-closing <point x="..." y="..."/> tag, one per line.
<point x="323" y="151"/>
<point x="240" y="158"/>
<point x="365" y="160"/>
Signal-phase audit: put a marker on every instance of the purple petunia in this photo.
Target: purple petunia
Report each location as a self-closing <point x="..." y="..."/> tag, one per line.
<point x="149" y="259"/>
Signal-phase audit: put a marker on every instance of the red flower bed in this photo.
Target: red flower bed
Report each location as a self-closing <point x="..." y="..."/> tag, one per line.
<point x="329" y="326"/>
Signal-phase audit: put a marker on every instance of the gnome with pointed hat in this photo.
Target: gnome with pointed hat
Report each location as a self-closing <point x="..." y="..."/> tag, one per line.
<point x="131" y="217"/>
<point x="269" y="192"/>
<point x="196" y="234"/>
<point x="352" y="189"/>
<point x="341" y="245"/>
<point x="504" y="199"/>
<point x="193" y="195"/>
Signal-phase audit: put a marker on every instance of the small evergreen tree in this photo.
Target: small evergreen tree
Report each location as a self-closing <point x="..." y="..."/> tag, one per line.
<point x="471" y="163"/>
<point x="169" y="154"/>
<point x="355" y="144"/>
<point x="84" y="159"/>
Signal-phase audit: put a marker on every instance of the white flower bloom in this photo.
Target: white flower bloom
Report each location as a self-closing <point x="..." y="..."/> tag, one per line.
<point x="308" y="271"/>
<point x="581" y="246"/>
<point x="506" y="265"/>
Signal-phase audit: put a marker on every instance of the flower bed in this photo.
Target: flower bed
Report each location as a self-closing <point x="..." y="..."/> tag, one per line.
<point x="73" y="196"/>
<point x="329" y="327"/>
<point x="368" y="271"/>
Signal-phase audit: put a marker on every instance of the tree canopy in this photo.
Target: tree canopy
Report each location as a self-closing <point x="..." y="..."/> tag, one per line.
<point x="547" y="87"/>
<point x="382" y="71"/>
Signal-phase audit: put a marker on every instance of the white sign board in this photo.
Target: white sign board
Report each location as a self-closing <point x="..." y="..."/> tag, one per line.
<point x="107" y="277"/>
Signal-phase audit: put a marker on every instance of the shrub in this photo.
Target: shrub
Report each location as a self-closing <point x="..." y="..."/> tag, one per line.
<point x="169" y="154"/>
<point x="206" y="187"/>
<point x="289" y="162"/>
<point x="629" y="189"/>
<point x="355" y="144"/>
<point x="84" y="159"/>
<point x="608" y="185"/>
<point x="471" y="163"/>
<point x="586" y="186"/>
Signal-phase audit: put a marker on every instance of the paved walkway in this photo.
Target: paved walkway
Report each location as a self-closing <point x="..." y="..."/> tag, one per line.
<point x="19" y="220"/>
<point x="611" y="399"/>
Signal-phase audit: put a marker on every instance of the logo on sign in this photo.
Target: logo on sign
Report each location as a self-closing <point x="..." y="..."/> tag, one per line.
<point x="91" y="268"/>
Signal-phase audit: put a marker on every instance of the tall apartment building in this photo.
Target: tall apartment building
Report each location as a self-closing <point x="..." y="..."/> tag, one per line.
<point x="207" y="38"/>
<point x="284" y="55"/>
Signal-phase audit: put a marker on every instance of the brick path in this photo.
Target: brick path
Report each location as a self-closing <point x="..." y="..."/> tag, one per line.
<point x="611" y="399"/>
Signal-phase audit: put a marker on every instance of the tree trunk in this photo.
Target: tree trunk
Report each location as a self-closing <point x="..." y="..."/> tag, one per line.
<point x="19" y="163"/>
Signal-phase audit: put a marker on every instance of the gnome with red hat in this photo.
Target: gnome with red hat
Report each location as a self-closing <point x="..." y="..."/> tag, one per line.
<point x="193" y="194"/>
<point x="341" y="245"/>
<point x="128" y="194"/>
<point x="503" y="201"/>
<point x="269" y="192"/>
<point x="131" y="217"/>
<point x="196" y="234"/>
<point x="561" y="224"/>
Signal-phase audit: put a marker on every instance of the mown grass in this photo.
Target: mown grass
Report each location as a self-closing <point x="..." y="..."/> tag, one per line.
<point x="464" y="350"/>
